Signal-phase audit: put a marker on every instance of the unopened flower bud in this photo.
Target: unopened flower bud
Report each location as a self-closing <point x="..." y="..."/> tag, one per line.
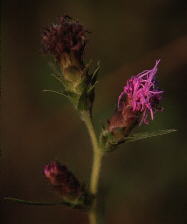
<point x="137" y="104"/>
<point x="66" y="41"/>
<point x="65" y="183"/>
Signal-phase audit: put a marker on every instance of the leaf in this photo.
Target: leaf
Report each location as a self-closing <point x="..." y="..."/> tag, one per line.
<point x="144" y="135"/>
<point x="58" y="78"/>
<point x="93" y="79"/>
<point x="92" y="87"/>
<point x="73" y="204"/>
<point x="55" y="68"/>
<point x="54" y="91"/>
<point x="56" y="72"/>
<point x="97" y="69"/>
<point x="36" y="202"/>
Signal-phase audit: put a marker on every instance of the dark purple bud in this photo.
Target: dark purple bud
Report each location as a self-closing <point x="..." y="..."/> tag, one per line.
<point x="63" y="181"/>
<point x="65" y="40"/>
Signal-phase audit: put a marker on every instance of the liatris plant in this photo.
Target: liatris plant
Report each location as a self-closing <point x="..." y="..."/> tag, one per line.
<point x="137" y="104"/>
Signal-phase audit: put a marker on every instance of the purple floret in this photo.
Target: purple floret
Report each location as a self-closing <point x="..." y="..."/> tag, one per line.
<point x="143" y="94"/>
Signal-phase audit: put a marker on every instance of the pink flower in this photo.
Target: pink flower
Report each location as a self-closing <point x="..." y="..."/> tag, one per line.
<point x="141" y="95"/>
<point x="137" y="104"/>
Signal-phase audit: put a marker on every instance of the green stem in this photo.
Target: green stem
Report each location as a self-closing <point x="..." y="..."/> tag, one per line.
<point x="86" y="117"/>
<point x="95" y="173"/>
<point x="96" y="166"/>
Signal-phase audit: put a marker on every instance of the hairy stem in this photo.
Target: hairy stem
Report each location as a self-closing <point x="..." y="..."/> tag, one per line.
<point x="96" y="165"/>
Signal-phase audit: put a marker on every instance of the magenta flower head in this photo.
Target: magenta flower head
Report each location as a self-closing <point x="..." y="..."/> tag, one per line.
<point x="141" y="95"/>
<point x="65" y="38"/>
<point x="137" y="104"/>
<point x="63" y="181"/>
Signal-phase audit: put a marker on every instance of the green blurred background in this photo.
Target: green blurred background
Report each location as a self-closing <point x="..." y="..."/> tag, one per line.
<point x="141" y="183"/>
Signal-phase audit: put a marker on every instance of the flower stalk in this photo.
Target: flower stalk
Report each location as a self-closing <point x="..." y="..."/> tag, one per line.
<point x="98" y="154"/>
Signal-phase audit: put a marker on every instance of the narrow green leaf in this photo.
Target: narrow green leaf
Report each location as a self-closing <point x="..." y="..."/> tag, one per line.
<point x="92" y="87"/>
<point x="54" y="67"/>
<point x="37" y="202"/>
<point x="76" y="204"/>
<point x="144" y="135"/>
<point x="97" y="69"/>
<point x="57" y="78"/>
<point x="54" y="91"/>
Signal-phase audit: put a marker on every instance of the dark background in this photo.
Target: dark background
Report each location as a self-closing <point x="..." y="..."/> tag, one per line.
<point x="144" y="182"/>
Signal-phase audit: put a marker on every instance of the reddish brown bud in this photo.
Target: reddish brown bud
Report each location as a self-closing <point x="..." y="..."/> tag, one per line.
<point x="119" y="126"/>
<point x="124" y="118"/>
<point x="63" y="181"/>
